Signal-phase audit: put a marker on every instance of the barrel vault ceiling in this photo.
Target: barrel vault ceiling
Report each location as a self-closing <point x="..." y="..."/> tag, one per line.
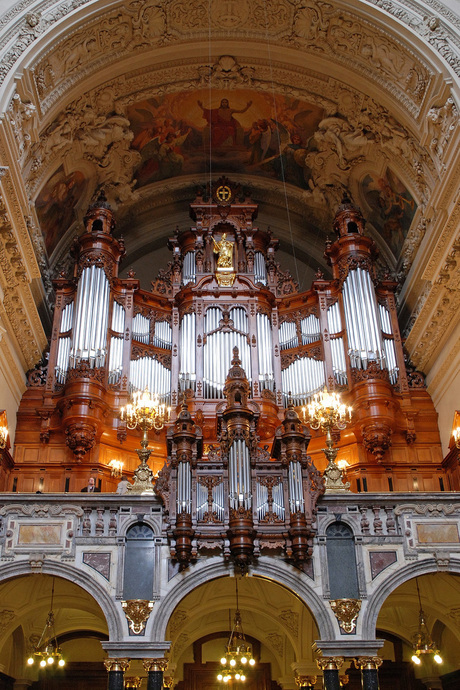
<point x="327" y="98"/>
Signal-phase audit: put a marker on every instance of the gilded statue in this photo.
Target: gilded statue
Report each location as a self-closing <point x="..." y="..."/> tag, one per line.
<point x="224" y="248"/>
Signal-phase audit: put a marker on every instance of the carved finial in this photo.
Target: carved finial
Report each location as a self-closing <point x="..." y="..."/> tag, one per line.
<point x="236" y="361"/>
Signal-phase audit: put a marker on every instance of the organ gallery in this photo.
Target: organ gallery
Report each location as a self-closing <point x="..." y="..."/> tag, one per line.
<point x="223" y="305"/>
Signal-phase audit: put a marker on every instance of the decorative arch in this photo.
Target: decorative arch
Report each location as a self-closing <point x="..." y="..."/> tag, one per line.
<point x="376" y="600"/>
<point x="277" y="572"/>
<point x="78" y="577"/>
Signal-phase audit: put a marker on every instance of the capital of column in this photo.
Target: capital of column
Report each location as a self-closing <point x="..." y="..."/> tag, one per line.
<point x="368" y="663"/>
<point x="116" y="664"/>
<point x="155" y="664"/>
<point x="330" y="663"/>
<point x="305" y="681"/>
<point x="133" y="682"/>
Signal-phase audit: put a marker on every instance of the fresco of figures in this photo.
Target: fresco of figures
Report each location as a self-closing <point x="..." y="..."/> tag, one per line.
<point x="236" y="132"/>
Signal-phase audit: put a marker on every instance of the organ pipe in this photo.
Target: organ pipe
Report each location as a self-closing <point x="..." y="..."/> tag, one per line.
<point x="148" y="372"/>
<point x="63" y="354"/>
<point x="118" y="318"/>
<point x="296" y="497"/>
<point x="184" y="488"/>
<point x="239" y="472"/>
<point x="189" y="268"/>
<point x="260" y="268"/>
<point x="217" y="352"/>
<point x="302" y="379"/>
<point x="265" y="352"/>
<point x="361" y="316"/>
<point x="187" y="372"/>
<point x="288" y="335"/>
<point x="91" y="318"/>
<point x="141" y="329"/>
<point x="310" y="329"/>
<point x="162" y="336"/>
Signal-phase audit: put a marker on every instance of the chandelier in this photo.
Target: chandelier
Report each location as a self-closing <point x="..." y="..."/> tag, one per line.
<point x="116" y="468"/>
<point x="238" y="653"/>
<point x="47" y="651"/>
<point x="423" y="642"/>
<point x="456" y="435"/>
<point x="145" y="412"/>
<point x="327" y="412"/>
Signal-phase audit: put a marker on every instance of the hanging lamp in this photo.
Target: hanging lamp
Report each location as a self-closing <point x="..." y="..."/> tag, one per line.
<point x="238" y="652"/>
<point x="423" y="642"/>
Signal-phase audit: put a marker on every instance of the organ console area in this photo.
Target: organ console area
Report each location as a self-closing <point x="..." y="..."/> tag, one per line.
<point x="223" y="308"/>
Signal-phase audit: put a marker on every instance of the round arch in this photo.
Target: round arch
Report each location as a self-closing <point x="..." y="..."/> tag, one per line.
<point x="376" y="600"/>
<point x="83" y="580"/>
<point x="266" y="569"/>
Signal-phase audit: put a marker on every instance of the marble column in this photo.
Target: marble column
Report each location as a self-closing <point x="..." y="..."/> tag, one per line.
<point x="306" y="682"/>
<point x="116" y="671"/>
<point x="155" y="669"/>
<point x="330" y="667"/>
<point x="369" y="666"/>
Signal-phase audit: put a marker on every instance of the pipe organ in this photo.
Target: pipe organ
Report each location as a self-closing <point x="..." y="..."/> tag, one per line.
<point x="224" y="290"/>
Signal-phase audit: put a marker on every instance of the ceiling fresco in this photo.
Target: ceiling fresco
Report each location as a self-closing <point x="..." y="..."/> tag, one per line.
<point x="210" y="131"/>
<point x="240" y="131"/>
<point x="392" y="207"/>
<point x="56" y="203"/>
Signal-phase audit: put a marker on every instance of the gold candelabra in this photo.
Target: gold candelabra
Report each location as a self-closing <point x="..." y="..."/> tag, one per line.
<point x="144" y="412"/>
<point x="456" y="435"/>
<point x="327" y="412"/>
<point x="3" y="436"/>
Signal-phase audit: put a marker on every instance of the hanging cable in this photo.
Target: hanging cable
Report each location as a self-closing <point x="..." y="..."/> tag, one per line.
<point x="283" y="176"/>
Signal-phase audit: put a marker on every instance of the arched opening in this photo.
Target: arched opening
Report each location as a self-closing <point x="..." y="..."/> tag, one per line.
<point x="276" y="623"/>
<point x="79" y="625"/>
<point x="398" y="624"/>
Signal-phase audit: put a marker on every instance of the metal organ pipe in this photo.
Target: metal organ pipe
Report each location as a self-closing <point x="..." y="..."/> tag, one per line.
<point x="265" y="352"/>
<point x="218" y="350"/>
<point x="189" y="268"/>
<point x="91" y="318"/>
<point x="148" y="372"/>
<point x="288" y="335"/>
<point x="187" y="372"/>
<point x="262" y="500"/>
<point x="162" y="335"/>
<point x="239" y="471"/>
<point x="141" y="329"/>
<point x="302" y="379"/>
<point x="260" y="269"/>
<point x="361" y="315"/>
<point x="310" y="329"/>
<point x="388" y="343"/>
<point x="116" y="343"/>
<point x="334" y="324"/>
<point x="296" y="499"/>
<point x="63" y="354"/>
<point x="184" y="488"/>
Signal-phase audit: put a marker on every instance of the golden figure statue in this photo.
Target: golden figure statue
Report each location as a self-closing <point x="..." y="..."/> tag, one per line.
<point x="224" y="248"/>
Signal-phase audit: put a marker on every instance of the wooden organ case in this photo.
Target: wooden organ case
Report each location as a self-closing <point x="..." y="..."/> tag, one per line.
<point x="224" y="290"/>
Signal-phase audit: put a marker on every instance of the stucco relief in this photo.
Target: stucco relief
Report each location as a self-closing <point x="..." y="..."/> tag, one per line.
<point x="103" y="140"/>
<point x="310" y="27"/>
<point x="442" y="122"/>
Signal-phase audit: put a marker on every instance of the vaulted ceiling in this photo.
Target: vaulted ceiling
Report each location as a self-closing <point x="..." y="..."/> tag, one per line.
<point x="324" y="98"/>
